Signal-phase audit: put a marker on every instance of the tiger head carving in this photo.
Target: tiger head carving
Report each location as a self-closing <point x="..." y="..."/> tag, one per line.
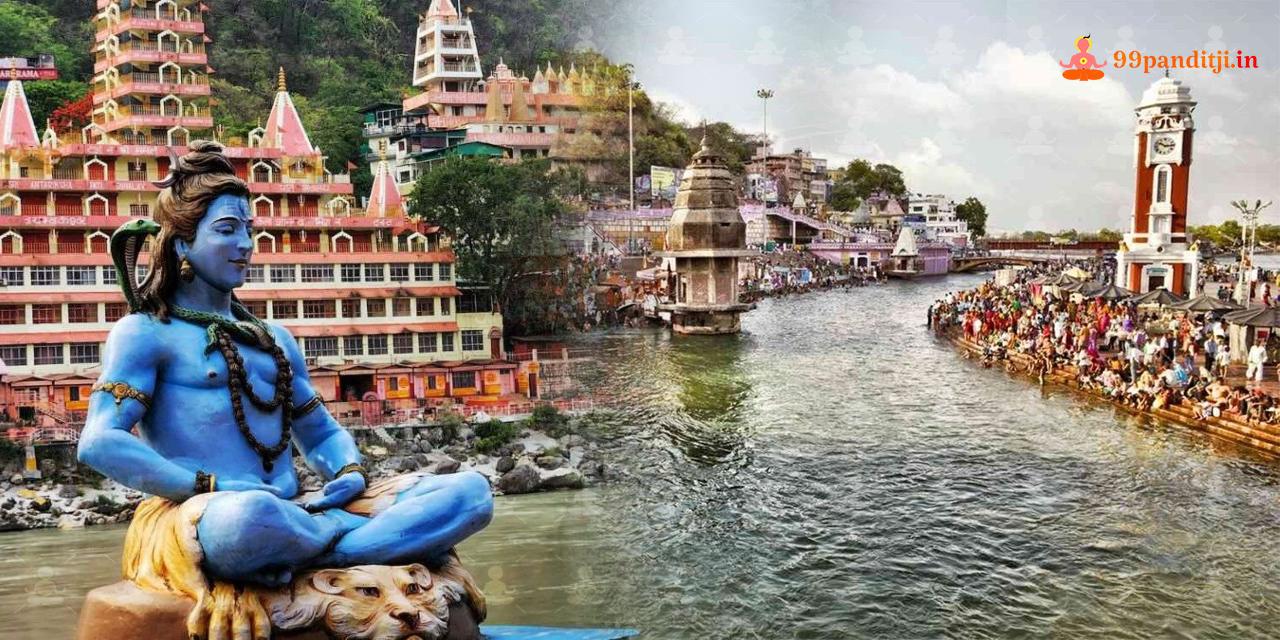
<point x="368" y="602"/>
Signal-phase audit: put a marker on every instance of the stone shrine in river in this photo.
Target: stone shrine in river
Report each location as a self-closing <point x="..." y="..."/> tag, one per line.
<point x="704" y="241"/>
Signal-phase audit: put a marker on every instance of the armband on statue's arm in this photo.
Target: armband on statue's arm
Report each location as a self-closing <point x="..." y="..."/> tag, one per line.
<point x="307" y="407"/>
<point x="122" y="390"/>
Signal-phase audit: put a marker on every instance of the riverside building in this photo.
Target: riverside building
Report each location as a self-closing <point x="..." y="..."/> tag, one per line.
<point x="370" y="294"/>
<point x="502" y="114"/>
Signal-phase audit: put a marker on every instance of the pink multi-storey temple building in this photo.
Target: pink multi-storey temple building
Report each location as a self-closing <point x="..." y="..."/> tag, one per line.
<point x="370" y="294"/>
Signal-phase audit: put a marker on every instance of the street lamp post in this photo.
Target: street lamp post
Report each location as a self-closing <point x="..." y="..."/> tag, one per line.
<point x="1248" y="238"/>
<point x="764" y="95"/>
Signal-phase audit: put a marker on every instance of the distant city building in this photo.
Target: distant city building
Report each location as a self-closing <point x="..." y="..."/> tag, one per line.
<point x="781" y="177"/>
<point x="503" y="115"/>
<point x="883" y="211"/>
<point x="940" y="222"/>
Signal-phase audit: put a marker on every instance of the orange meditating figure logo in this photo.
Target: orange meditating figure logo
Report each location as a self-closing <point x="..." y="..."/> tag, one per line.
<point x="1083" y="65"/>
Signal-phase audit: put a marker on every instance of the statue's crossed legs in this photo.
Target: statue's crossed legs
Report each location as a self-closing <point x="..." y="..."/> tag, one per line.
<point x="209" y="546"/>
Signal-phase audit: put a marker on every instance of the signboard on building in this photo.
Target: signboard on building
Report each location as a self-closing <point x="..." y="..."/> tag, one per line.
<point x="38" y="68"/>
<point x="664" y="181"/>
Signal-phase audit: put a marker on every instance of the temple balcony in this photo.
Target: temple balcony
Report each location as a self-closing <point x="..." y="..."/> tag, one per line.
<point x="130" y="86"/>
<point x="149" y="57"/>
<point x="143" y="20"/>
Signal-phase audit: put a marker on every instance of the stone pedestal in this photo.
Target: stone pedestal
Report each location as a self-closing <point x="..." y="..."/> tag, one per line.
<point x="122" y="611"/>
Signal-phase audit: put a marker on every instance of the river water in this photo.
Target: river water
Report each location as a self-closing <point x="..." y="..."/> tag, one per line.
<point x="835" y="472"/>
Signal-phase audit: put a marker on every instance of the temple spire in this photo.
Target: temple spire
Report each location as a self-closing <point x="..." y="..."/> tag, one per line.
<point x="284" y="126"/>
<point x="384" y="197"/>
<point x="17" y="128"/>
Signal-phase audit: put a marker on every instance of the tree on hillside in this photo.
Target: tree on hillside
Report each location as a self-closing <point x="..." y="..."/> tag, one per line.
<point x="973" y="212"/>
<point x="502" y="217"/>
<point x="28" y="30"/>
<point x="861" y="179"/>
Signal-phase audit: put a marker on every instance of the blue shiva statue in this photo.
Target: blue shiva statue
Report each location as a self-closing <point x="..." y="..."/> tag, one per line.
<point x="221" y="399"/>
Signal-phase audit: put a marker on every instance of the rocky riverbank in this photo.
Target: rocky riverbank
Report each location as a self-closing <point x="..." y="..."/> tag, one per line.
<point x="543" y="453"/>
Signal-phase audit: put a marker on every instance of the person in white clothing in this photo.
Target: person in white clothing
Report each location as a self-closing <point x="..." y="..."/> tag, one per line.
<point x="1257" y="358"/>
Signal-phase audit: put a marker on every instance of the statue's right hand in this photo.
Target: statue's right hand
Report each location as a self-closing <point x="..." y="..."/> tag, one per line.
<point x="249" y="485"/>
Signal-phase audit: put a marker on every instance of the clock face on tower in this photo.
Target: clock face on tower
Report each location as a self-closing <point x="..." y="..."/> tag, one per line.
<point x="1164" y="145"/>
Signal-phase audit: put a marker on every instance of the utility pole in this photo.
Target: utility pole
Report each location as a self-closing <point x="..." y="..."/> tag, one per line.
<point x="764" y="95"/>
<point x="631" y="157"/>
<point x="1248" y="238"/>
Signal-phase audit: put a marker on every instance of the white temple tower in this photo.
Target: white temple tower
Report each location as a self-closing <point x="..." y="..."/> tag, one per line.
<point x="445" y="57"/>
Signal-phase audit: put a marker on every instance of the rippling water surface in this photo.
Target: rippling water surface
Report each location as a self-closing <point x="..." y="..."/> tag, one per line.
<point x="836" y="473"/>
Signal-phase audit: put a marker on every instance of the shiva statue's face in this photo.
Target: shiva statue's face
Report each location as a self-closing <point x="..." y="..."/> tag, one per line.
<point x="220" y="253"/>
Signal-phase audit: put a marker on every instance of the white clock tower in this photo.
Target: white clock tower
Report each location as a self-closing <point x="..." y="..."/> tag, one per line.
<point x="1156" y="252"/>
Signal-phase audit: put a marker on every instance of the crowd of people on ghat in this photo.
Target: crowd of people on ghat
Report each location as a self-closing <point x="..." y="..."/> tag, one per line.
<point x="782" y="272"/>
<point x="1146" y="359"/>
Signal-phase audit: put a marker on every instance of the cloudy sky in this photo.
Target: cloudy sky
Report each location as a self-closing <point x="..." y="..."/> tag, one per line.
<point x="967" y="98"/>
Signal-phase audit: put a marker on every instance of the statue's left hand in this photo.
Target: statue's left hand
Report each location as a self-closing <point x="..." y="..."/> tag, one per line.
<point x="338" y="492"/>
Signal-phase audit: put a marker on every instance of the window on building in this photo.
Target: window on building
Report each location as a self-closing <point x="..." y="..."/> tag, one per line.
<point x="84" y="353"/>
<point x="446" y="342"/>
<point x="12" y="277"/>
<point x="402" y="343"/>
<point x="446" y="306"/>
<point x="46" y="313"/>
<point x="48" y="354"/>
<point x="117" y="310"/>
<point x="399" y="272"/>
<point x="424" y="272"/>
<point x="377" y="345"/>
<point x="375" y="272"/>
<point x="317" y="273"/>
<point x="82" y="312"/>
<point x="351" y="308"/>
<point x="81" y="276"/>
<point x="351" y="273"/>
<point x="257" y="307"/>
<point x="13" y="314"/>
<point x="321" y="347"/>
<point x="376" y="308"/>
<point x="109" y="276"/>
<point x="426" y="307"/>
<point x="1162" y="184"/>
<point x="312" y="309"/>
<point x="283" y="273"/>
<point x="475" y="301"/>
<point x="256" y="273"/>
<point x="446" y="271"/>
<point x="352" y="346"/>
<point x="400" y="307"/>
<point x="464" y="379"/>
<point x="473" y="340"/>
<point x="428" y="343"/>
<point x="284" y="309"/>
<point x="45" y="277"/>
<point x="14" y="355"/>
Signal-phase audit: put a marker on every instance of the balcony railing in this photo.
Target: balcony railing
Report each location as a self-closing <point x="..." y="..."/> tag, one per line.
<point x="68" y="173"/>
<point x="452" y="67"/>
<point x="168" y="112"/>
<point x="155" y="78"/>
<point x="68" y="209"/>
<point x="34" y="209"/>
<point x="166" y="47"/>
<point x="138" y="176"/>
<point x="150" y="14"/>
<point x="311" y="246"/>
<point x="30" y="246"/>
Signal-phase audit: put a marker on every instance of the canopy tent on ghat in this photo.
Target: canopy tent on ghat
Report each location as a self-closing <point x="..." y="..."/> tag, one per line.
<point x="1111" y="293"/>
<point x="1161" y="297"/>
<point x="1204" y="303"/>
